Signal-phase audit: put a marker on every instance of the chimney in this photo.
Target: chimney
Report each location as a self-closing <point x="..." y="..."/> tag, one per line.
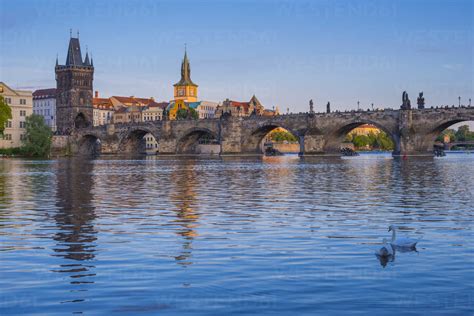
<point x="152" y="98"/>
<point x="96" y="95"/>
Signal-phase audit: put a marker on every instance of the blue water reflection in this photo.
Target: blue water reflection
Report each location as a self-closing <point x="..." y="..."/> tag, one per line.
<point x="254" y="236"/>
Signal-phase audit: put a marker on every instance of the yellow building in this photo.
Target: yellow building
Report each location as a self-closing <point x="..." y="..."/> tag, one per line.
<point x="185" y="89"/>
<point x="21" y="104"/>
<point x="173" y="108"/>
<point x="365" y="129"/>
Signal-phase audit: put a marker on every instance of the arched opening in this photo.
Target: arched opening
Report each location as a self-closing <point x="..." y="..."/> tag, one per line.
<point x="90" y="145"/>
<point x="136" y="142"/>
<point x="455" y="136"/>
<point x="151" y="144"/>
<point x="272" y="140"/>
<point x="199" y="142"/>
<point x="355" y="138"/>
<point x="81" y="121"/>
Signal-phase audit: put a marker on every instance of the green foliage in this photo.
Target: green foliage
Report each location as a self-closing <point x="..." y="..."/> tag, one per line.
<point x="5" y="114"/>
<point x="450" y="132"/>
<point x="11" y="151"/>
<point x="464" y="134"/>
<point x="379" y="141"/>
<point x="186" y="114"/>
<point x="38" y="137"/>
<point x="280" y="136"/>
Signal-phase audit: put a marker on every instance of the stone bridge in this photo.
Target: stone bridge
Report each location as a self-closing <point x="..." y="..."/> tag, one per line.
<point x="412" y="131"/>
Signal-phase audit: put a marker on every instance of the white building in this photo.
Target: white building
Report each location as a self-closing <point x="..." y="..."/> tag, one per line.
<point x="207" y="109"/>
<point x="153" y="111"/>
<point x="44" y="104"/>
<point x="21" y="103"/>
<point x="103" y="111"/>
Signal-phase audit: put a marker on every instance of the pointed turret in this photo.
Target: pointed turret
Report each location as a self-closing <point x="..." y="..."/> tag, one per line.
<point x="74" y="56"/>
<point x="92" y="61"/>
<point x="185" y="73"/>
<point x="57" y="62"/>
<point x="86" y="60"/>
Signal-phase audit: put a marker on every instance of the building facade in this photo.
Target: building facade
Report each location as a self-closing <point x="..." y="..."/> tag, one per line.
<point x="207" y="109"/>
<point x="235" y="108"/>
<point x="103" y="111"/>
<point x="74" y="88"/>
<point x="44" y="104"/>
<point x="21" y="104"/>
<point x="153" y="111"/>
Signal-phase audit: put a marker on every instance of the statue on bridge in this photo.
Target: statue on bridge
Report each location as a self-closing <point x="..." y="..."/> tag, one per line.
<point x="328" y="107"/>
<point x="406" y="105"/>
<point x="311" y="108"/>
<point x="420" y="101"/>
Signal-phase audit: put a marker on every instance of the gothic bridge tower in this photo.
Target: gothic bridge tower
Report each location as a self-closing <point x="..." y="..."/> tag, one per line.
<point x="74" y="90"/>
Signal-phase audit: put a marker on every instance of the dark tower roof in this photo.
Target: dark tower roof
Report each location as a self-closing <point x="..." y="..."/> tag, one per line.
<point x="185" y="73"/>
<point x="86" y="60"/>
<point x="74" y="56"/>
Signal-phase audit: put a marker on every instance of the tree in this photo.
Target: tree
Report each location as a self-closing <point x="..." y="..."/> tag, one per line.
<point x="463" y="133"/>
<point x="38" y="137"/>
<point x="190" y="113"/>
<point x="5" y="114"/>
<point x="450" y="132"/>
<point x="282" y="135"/>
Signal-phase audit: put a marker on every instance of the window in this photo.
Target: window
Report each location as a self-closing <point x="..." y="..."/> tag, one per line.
<point x="22" y="137"/>
<point x="7" y="136"/>
<point x="22" y="113"/>
<point x="8" y="124"/>
<point x="23" y="101"/>
<point x="22" y="124"/>
<point x="8" y="100"/>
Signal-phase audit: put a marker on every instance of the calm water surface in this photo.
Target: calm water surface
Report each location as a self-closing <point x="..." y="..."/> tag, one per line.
<point x="251" y="236"/>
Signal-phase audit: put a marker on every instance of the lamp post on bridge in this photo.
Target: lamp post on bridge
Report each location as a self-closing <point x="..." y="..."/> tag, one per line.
<point x="358" y="106"/>
<point x="469" y="102"/>
<point x="459" y="98"/>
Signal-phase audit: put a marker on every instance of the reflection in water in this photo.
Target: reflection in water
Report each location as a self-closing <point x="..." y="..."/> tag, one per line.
<point x="270" y="235"/>
<point x="75" y="215"/>
<point x="183" y="196"/>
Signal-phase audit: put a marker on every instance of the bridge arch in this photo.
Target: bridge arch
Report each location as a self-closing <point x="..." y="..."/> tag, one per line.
<point x="335" y="137"/>
<point x="133" y="140"/>
<point x="90" y="145"/>
<point x="429" y="139"/>
<point x="253" y="139"/>
<point x="190" y="140"/>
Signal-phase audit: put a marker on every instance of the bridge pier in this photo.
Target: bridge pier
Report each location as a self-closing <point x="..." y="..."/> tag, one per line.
<point x="312" y="145"/>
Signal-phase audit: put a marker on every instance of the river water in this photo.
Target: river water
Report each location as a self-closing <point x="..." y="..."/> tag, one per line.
<point x="279" y="235"/>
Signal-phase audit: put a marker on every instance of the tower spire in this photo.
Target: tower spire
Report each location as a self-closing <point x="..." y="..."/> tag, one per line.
<point x="57" y="62"/>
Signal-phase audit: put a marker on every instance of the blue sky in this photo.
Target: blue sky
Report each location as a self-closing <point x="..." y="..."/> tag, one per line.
<point x="285" y="52"/>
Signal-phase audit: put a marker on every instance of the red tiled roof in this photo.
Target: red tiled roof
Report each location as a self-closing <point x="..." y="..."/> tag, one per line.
<point x="133" y="100"/>
<point x="43" y="93"/>
<point x="243" y="105"/>
<point x="161" y="105"/>
<point x="102" y="103"/>
<point x="121" y="110"/>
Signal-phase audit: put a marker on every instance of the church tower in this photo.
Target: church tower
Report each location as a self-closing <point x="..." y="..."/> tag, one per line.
<point x="185" y="89"/>
<point x="74" y="90"/>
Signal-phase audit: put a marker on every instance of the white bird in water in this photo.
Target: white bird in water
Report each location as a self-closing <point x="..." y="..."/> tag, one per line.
<point x="386" y="250"/>
<point x="403" y="242"/>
